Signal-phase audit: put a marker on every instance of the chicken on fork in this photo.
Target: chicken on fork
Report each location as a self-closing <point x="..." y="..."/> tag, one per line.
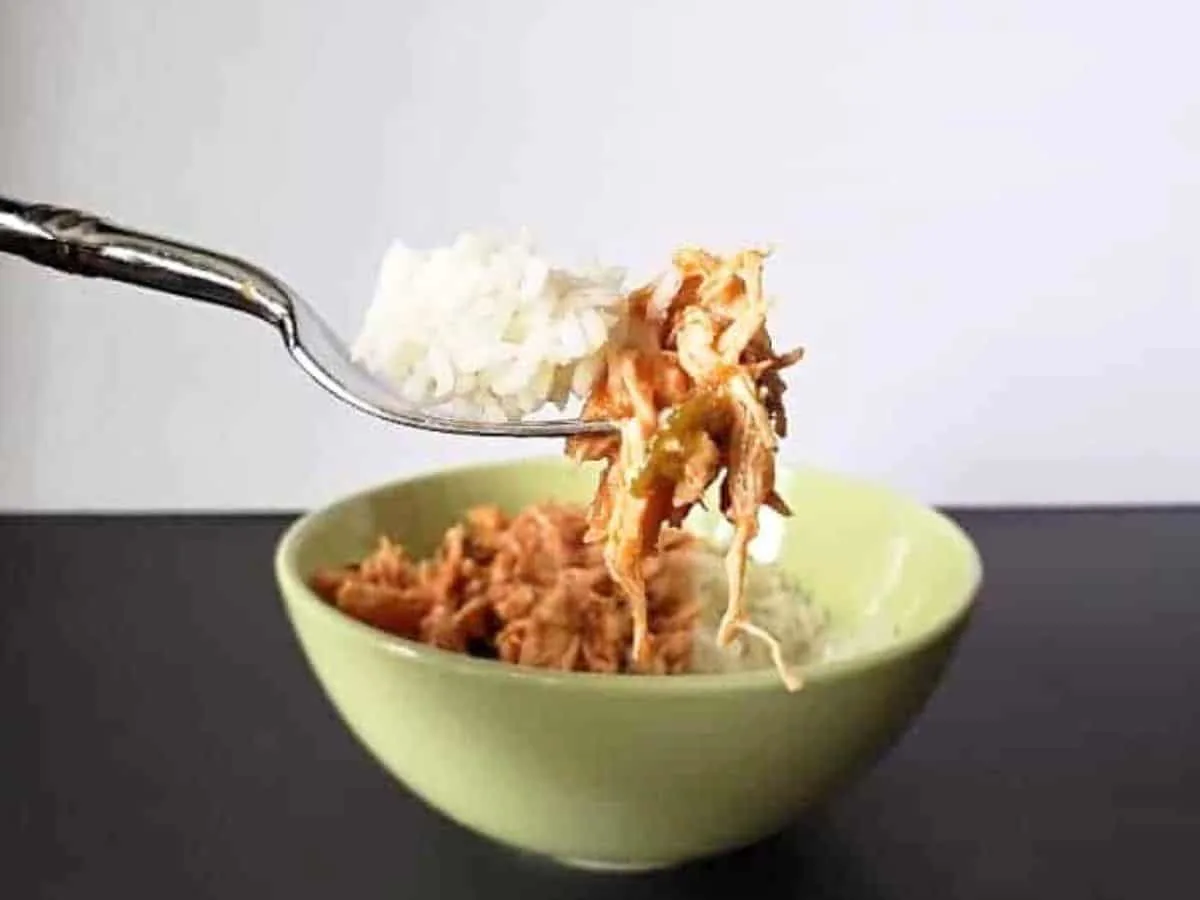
<point x="696" y="385"/>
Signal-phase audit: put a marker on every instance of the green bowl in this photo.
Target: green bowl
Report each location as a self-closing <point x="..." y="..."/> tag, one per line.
<point x="639" y="772"/>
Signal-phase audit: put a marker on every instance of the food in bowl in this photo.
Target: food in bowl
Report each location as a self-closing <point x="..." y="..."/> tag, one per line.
<point x="530" y="590"/>
<point x="684" y="364"/>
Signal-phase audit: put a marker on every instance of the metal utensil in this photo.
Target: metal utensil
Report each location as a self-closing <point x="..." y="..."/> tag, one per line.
<point x="80" y="243"/>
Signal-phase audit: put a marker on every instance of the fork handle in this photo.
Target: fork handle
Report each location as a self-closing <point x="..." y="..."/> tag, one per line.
<point x="80" y="243"/>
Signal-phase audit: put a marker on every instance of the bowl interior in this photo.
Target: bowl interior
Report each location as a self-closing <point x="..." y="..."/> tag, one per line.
<point x="890" y="572"/>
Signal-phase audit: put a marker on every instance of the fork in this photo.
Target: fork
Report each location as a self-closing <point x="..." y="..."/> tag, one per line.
<point x="80" y="243"/>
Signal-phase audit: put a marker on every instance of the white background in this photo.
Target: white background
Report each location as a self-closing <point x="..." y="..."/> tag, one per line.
<point x="987" y="217"/>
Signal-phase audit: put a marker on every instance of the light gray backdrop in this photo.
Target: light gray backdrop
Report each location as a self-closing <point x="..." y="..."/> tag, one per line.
<point x="987" y="214"/>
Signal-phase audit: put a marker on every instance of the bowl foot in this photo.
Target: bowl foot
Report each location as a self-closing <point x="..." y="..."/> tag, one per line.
<point x="610" y="867"/>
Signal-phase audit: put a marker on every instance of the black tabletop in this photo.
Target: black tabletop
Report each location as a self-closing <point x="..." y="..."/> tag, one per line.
<point x="162" y="736"/>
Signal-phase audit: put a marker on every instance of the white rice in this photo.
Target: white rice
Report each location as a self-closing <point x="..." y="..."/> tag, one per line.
<point x="488" y="328"/>
<point x="775" y="602"/>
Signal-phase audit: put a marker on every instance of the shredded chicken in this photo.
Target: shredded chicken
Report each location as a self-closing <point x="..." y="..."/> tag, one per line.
<point x="526" y="590"/>
<point x="694" y="382"/>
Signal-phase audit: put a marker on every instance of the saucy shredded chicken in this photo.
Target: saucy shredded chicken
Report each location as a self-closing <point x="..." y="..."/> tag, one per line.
<point x="527" y="590"/>
<point x="694" y="382"/>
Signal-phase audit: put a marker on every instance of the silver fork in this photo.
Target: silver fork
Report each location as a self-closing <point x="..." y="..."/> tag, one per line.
<point x="80" y="243"/>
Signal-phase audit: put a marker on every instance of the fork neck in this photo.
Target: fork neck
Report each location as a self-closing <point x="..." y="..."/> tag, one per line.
<point x="80" y="243"/>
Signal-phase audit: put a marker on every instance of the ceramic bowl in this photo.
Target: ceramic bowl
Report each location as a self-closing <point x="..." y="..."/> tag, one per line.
<point x="637" y="772"/>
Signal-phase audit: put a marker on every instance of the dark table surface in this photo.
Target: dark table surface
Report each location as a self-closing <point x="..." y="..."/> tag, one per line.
<point x="161" y="736"/>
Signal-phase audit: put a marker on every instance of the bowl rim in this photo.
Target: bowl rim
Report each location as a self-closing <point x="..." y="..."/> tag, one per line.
<point x="297" y="593"/>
